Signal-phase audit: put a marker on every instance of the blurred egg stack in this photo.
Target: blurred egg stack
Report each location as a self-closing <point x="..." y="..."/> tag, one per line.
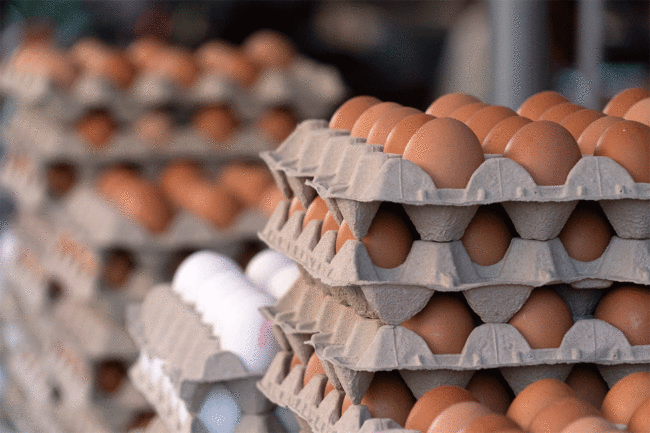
<point x="124" y="162"/>
<point x="468" y="268"/>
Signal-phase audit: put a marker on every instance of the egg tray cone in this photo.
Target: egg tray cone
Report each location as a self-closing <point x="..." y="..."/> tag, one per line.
<point x="351" y="176"/>
<point x="494" y="292"/>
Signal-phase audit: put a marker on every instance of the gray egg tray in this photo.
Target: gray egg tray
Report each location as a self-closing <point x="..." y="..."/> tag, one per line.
<point x="354" y="178"/>
<point x="494" y="292"/>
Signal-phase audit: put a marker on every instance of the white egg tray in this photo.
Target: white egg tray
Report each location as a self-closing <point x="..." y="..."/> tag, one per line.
<point x="351" y="348"/>
<point x="494" y="292"/>
<point x="354" y="178"/>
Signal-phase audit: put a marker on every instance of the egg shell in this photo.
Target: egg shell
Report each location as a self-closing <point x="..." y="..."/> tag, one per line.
<point x="215" y="123"/>
<point x="628" y="309"/>
<point x="447" y="104"/>
<point x="588" y="384"/>
<point x="558" y="112"/>
<point x="176" y="64"/>
<point x="348" y="113"/>
<point x="433" y="403"/>
<point x="264" y="264"/>
<point x="96" y="129"/>
<point x="626" y="396"/>
<point x="586" y="234"/>
<point x="402" y="132"/>
<point x="546" y="150"/>
<point x="276" y="124"/>
<point x="313" y="368"/>
<point x="283" y="280"/>
<point x="227" y="60"/>
<point x="490" y="390"/>
<point x="578" y="121"/>
<point x="627" y="143"/>
<point x="118" y="69"/>
<point x="535" y="105"/>
<point x="446" y="150"/>
<point x="640" y="420"/>
<point x="203" y="296"/>
<point x="143" y="51"/>
<point x="317" y="210"/>
<point x="466" y="111"/>
<point x="491" y="423"/>
<point x="487" y="237"/>
<point x="497" y="139"/>
<point x="457" y="417"/>
<point x="329" y="223"/>
<point x="385" y="124"/>
<point x="244" y="181"/>
<point x="444" y="324"/>
<point x="269" y="49"/>
<point x="589" y="137"/>
<point x="154" y="127"/>
<point x="624" y="100"/>
<point x="199" y="267"/>
<point x="482" y="122"/>
<point x="534" y="398"/>
<point x="367" y="119"/>
<point x="639" y="112"/>
<point x="556" y="416"/>
<point x="590" y="424"/>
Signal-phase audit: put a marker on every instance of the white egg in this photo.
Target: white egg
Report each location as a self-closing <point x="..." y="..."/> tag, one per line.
<point x="266" y="263"/>
<point x="220" y="411"/>
<point x="281" y="281"/>
<point x="212" y="291"/>
<point x="197" y="268"/>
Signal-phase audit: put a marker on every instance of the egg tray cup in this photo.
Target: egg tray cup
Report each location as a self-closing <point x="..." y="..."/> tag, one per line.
<point x="163" y="326"/>
<point x="24" y="417"/>
<point x="27" y="187"/>
<point x="354" y="178"/>
<point x="493" y="292"/>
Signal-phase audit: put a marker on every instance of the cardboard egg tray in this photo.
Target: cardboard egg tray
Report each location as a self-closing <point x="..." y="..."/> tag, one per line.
<point x="170" y="331"/>
<point x="354" y="178"/>
<point x="24" y="417"/>
<point x="494" y="292"/>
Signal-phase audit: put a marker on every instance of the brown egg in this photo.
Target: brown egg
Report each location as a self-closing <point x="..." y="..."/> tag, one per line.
<point x="87" y="51"/>
<point x="269" y="200"/>
<point x="588" y="384"/>
<point x="61" y="177"/>
<point x="294" y="362"/>
<point x="96" y="128"/>
<point x="348" y="113"/>
<point x="457" y="417"/>
<point x="317" y="210"/>
<point x="446" y="150"/>
<point x="385" y="124"/>
<point x="329" y="223"/>
<point x="313" y="368"/>
<point x="578" y="121"/>
<point x="482" y="122"/>
<point x="590" y="424"/>
<point x="559" y="414"/>
<point x="589" y="137"/>
<point x="215" y="123"/>
<point x="543" y="319"/>
<point x="624" y="100"/>
<point x="497" y="139"/>
<point x="487" y="237"/>
<point x="154" y="127"/>
<point x="558" y="112"/>
<point x="296" y="205"/>
<point x="244" y="181"/>
<point x="176" y="64"/>
<point x="492" y="423"/>
<point x="639" y="112"/>
<point x="144" y="51"/>
<point x="626" y="396"/>
<point x="546" y="150"/>
<point x="534" y="106"/>
<point x="402" y="132"/>
<point x="444" y="324"/>
<point x="628" y="309"/>
<point x="586" y="234"/>
<point x="433" y="403"/>
<point x="277" y="123"/>
<point x="490" y="390"/>
<point x="640" y="420"/>
<point x="388" y="240"/>
<point x="228" y="60"/>
<point x="447" y="104"/>
<point x="118" y="69"/>
<point x="269" y="49"/>
<point x="109" y="376"/>
<point x="466" y="111"/>
<point x="367" y="119"/>
<point x="627" y="143"/>
<point x="118" y="267"/>
<point x="386" y="397"/>
<point x="534" y="398"/>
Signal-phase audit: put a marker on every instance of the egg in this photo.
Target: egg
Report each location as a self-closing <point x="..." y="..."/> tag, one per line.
<point x="400" y="135"/>
<point x="487" y="237"/>
<point x="227" y="60"/>
<point x="176" y="64"/>
<point x="277" y="123"/>
<point x="590" y="424"/>
<point x="385" y="124"/>
<point x="498" y="137"/>
<point x="535" y="105"/>
<point x="543" y="320"/>
<point x="628" y="309"/>
<point x="640" y="420"/>
<point x="559" y="414"/>
<point x="558" y="112"/>
<point x="198" y="268"/>
<point x="317" y="210"/>
<point x="295" y="361"/>
<point x="118" y="69"/>
<point x="447" y="150"/>
<point x="118" y="267"/>
<point x="586" y="234"/>
<point x="367" y="119"/>
<point x="269" y="49"/>
<point x="447" y="104"/>
<point x="269" y="200"/>
<point x="61" y="177"/>
<point x="144" y="51"/>
<point x="466" y="111"/>
<point x="624" y="100"/>
<point x="433" y="403"/>
<point x="589" y="137"/>
<point x="386" y="397"/>
<point x="489" y="389"/>
<point x="491" y="423"/>
<point x="329" y="223"/>
<point x="154" y="127"/>
<point x="263" y="265"/>
<point x="388" y="240"/>
<point x="109" y="376"/>
<point x="626" y="396"/>
<point x="627" y="143"/>
<point x="296" y="205"/>
<point x="313" y="368"/>
<point x="283" y="280"/>
<point x="534" y="398"/>
<point x="588" y="384"/>
<point x="639" y="112"/>
<point x="348" y="113"/>
<point x="215" y="123"/>
<point x="546" y="150"/>
<point x="578" y="121"/>
<point x="457" y="417"/>
<point x="96" y="128"/>
<point x="444" y="324"/>
<point x="244" y="181"/>
<point x="482" y="122"/>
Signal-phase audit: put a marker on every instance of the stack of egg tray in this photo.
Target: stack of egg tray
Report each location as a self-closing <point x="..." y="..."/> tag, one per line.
<point x="349" y="311"/>
<point x="181" y="361"/>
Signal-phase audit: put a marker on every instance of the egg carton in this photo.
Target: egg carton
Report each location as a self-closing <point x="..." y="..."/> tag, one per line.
<point x="24" y="184"/>
<point x="494" y="292"/>
<point x="354" y="178"/>
<point x="24" y="417"/>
